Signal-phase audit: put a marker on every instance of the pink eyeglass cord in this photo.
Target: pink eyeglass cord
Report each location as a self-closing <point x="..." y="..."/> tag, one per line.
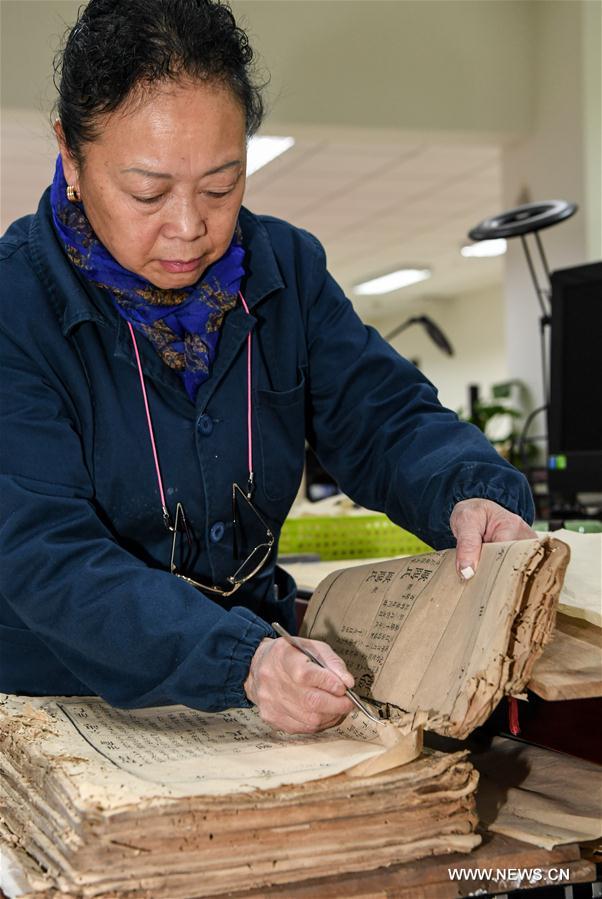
<point x="249" y="406"/>
<point x="151" y="432"/>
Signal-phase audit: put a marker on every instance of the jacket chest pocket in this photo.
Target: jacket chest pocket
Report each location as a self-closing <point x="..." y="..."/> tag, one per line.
<point x="281" y="418"/>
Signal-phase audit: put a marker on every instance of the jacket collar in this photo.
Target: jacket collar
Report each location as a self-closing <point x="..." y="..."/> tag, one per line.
<point x="263" y="272"/>
<point x="74" y="304"/>
<point x="63" y="284"/>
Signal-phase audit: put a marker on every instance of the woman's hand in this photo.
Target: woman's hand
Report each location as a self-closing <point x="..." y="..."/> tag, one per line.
<point x="477" y="521"/>
<point x="294" y="694"/>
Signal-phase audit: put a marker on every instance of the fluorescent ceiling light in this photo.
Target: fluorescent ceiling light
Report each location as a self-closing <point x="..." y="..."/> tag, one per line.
<point x="485" y="248"/>
<point x="403" y="277"/>
<point x="264" y="149"/>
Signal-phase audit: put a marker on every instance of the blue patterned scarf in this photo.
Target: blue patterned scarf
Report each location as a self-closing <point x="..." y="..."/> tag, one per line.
<point x="182" y="325"/>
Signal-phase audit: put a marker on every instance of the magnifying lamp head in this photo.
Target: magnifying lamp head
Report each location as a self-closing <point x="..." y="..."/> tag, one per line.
<point x="524" y="219"/>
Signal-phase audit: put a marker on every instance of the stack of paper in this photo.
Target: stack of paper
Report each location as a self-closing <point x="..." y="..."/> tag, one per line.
<point x="571" y="666"/>
<point x="538" y="796"/>
<point x="581" y="595"/>
<point x="98" y="802"/>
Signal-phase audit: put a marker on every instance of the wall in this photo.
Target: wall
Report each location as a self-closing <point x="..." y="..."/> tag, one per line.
<point x="592" y="114"/>
<point x="474" y="325"/>
<point x="31" y="34"/>
<point x="367" y="63"/>
<point x="416" y="65"/>
<point x="559" y="159"/>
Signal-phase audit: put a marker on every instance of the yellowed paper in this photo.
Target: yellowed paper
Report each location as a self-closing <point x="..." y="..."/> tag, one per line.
<point x="581" y="594"/>
<point x="537" y="795"/>
<point x="571" y="664"/>
<point x="441" y="649"/>
<point x="178" y="751"/>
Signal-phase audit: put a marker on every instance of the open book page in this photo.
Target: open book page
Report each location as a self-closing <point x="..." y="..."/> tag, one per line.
<point x="443" y="650"/>
<point x="176" y="751"/>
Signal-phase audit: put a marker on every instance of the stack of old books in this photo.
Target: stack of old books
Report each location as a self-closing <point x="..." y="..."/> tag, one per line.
<point x="98" y="802"/>
<point x="171" y="802"/>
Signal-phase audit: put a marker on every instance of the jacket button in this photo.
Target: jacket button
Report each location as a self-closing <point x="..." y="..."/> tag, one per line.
<point x="205" y="424"/>
<point x="217" y="531"/>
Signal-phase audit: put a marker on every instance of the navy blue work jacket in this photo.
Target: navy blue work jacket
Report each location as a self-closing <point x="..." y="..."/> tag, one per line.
<point x="87" y="605"/>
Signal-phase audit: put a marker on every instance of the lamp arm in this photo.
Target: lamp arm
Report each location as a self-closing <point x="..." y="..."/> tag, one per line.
<point x="400" y="328"/>
<point x="433" y="331"/>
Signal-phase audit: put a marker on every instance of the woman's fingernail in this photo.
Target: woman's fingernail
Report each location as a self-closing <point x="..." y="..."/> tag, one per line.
<point x="467" y="572"/>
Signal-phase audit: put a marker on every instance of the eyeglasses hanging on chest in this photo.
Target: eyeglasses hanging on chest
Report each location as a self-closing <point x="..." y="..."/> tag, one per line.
<point x="247" y="521"/>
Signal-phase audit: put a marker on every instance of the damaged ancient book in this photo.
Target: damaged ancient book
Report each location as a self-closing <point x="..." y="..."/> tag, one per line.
<point x="171" y="802"/>
<point x="430" y="648"/>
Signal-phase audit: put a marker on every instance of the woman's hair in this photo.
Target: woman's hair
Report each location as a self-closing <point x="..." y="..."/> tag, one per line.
<point x="117" y="46"/>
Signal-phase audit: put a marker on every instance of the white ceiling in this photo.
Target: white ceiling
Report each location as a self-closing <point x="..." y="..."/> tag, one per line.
<point x="376" y="204"/>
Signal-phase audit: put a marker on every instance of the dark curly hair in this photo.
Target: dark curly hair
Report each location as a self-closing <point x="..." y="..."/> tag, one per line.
<point x="118" y="45"/>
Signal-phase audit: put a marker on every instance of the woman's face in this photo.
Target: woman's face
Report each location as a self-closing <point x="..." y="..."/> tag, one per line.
<point x="163" y="183"/>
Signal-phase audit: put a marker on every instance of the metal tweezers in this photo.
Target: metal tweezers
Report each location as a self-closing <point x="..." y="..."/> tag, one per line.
<point x="350" y="693"/>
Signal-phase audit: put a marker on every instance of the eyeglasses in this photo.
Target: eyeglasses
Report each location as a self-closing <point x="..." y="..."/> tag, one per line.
<point x="258" y="556"/>
<point x="253" y="561"/>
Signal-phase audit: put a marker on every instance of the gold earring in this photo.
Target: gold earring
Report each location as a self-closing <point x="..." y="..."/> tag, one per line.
<point x="73" y="194"/>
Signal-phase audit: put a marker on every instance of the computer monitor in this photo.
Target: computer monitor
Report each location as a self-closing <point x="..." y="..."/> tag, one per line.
<point x="575" y="409"/>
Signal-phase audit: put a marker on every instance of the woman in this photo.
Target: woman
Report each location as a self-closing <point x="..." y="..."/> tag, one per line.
<point x="166" y="351"/>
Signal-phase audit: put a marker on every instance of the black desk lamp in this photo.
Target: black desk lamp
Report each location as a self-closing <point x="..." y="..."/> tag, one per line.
<point x="530" y="218"/>
<point x="433" y="331"/>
